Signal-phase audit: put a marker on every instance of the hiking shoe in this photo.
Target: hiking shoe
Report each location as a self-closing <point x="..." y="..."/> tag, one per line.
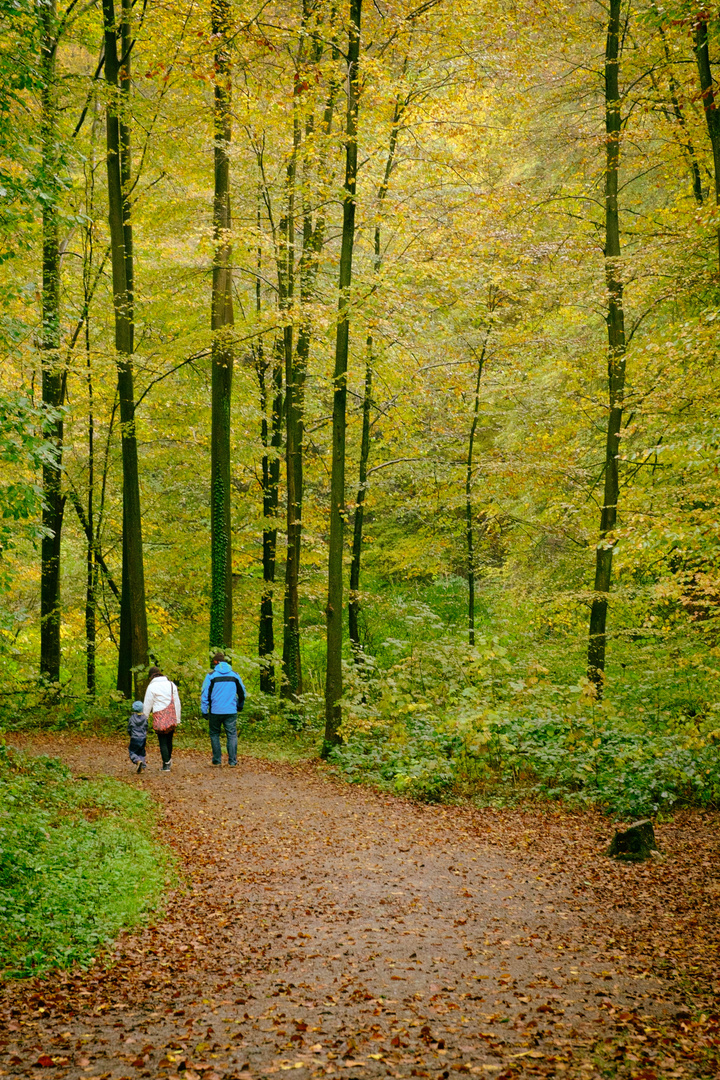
<point x="166" y="766"/>
<point x="216" y="764"/>
<point x="140" y="767"/>
<point x="232" y="764"/>
<point x="143" y="766"/>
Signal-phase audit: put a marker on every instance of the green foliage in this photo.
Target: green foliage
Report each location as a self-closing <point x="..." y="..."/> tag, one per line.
<point x="624" y="769"/>
<point x="23" y="450"/>
<point x="78" y="861"/>
<point x="449" y="721"/>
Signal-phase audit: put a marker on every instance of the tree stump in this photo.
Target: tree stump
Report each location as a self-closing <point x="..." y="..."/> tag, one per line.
<point x="634" y="844"/>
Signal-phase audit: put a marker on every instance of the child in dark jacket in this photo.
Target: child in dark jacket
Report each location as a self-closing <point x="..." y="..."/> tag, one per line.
<point x="137" y="730"/>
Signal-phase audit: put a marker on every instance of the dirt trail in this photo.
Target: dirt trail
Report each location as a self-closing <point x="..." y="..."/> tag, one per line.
<point x="332" y="931"/>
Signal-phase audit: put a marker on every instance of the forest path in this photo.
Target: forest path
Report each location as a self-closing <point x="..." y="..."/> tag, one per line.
<point x="333" y="931"/>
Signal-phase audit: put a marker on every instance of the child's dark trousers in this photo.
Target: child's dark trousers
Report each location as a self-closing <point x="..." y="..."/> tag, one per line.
<point x="137" y="751"/>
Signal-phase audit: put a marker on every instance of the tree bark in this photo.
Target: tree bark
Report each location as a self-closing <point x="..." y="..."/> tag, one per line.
<point x="338" y="513"/>
<point x="292" y="661"/>
<point x="91" y="566"/>
<point x="354" y="597"/>
<point x="53" y="384"/>
<point x="616" y="355"/>
<point x="313" y="237"/>
<point x="712" y="117"/>
<point x="469" y="530"/>
<point x="133" y="646"/>
<point x="270" y="488"/>
<point x="221" y="624"/>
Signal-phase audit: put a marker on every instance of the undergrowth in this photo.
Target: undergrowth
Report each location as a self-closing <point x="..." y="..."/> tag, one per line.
<point x="78" y="862"/>
<point x="453" y="721"/>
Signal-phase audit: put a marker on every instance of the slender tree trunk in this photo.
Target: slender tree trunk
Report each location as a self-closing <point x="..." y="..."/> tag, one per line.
<point x="469" y="530"/>
<point x="684" y="136"/>
<point x="616" y="355"/>
<point x="221" y="626"/>
<point x="52" y="374"/>
<point x="712" y="117"/>
<point x="354" y="597"/>
<point x="94" y="540"/>
<point x="292" y="665"/>
<point x="91" y="575"/>
<point x="334" y="610"/>
<point x="312" y="243"/>
<point x="133" y="647"/>
<point x="270" y="487"/>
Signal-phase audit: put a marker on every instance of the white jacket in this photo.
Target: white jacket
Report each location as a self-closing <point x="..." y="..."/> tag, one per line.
<point x="159" y="694"/>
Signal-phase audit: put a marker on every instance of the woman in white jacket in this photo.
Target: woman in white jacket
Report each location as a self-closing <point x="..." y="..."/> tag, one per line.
<point x="162" y="700"/>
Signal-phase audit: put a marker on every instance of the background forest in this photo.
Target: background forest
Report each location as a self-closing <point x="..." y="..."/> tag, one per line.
<point x="376" y="343"/>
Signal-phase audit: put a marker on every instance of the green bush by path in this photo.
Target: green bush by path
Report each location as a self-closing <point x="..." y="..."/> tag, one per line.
<point x="78" y="862"/>
<point x="449" y="720"/>
<point x="626" y="771"/>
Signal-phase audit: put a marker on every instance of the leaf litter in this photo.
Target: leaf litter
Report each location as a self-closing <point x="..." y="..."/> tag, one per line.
<point x="336" y="932"/>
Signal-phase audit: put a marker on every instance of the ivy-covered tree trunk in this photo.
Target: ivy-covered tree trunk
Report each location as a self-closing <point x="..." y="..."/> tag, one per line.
<point x="338" y="512"/>
<point x="53" y="382"/>
<point x="616" y="355"/>
<point x="133" y="645"/>
<point x="221" y="624"/>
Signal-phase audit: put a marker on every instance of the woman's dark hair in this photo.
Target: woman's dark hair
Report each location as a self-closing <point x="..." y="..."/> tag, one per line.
<point x="153" y="673"/>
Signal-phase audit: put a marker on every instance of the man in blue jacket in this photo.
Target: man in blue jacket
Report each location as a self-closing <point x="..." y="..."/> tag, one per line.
<point x="221" y="699"/>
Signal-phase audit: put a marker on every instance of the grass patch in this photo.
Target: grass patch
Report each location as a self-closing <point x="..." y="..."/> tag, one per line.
<point x="78" y="862"/>
<point x="265" y="730"/>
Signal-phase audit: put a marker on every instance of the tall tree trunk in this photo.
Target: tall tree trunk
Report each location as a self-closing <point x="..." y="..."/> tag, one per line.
<point x="271" y="439"/>
<point x="292" y="666"/>
<point x="53" y="383"/>
<point x="91" y="566"/>
<point x="221" y="627"/>
<point x="133" y="647"/>
<point x="469" y="530"/>
<point x="313" y="238"/>
<point x="354" y="597"/>
<point x="616" y="355"/>
<point x="712" y="117"/>
<point x="334" y="609"/>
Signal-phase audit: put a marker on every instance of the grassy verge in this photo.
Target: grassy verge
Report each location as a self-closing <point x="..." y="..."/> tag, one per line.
<point x="261" y="734"/>
<point x="78" y="862"/>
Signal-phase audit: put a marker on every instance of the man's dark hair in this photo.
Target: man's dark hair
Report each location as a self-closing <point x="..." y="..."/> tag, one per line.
<point x="217" y="658"/>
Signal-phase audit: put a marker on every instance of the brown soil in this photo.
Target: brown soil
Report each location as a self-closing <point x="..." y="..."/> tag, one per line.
<point x="342" y="933"/>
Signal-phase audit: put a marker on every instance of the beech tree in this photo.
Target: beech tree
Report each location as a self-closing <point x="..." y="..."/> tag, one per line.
<point x="222" y="322"/>
<point x="338" y="511"/>
<point x="53" y="374"/>
<point x="133" y="646"/>
<point x="616" y="353"/>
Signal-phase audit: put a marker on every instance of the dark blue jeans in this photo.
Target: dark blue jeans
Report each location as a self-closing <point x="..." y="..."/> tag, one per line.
<point x="137" y="750"/>
<point x="216" y="722"/>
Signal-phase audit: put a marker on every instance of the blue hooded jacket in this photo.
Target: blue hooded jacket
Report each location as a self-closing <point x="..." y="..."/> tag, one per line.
<point x="222" y="692"/>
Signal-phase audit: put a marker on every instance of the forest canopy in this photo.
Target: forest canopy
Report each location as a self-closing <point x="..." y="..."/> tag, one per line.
<point x="374" y="343"/>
